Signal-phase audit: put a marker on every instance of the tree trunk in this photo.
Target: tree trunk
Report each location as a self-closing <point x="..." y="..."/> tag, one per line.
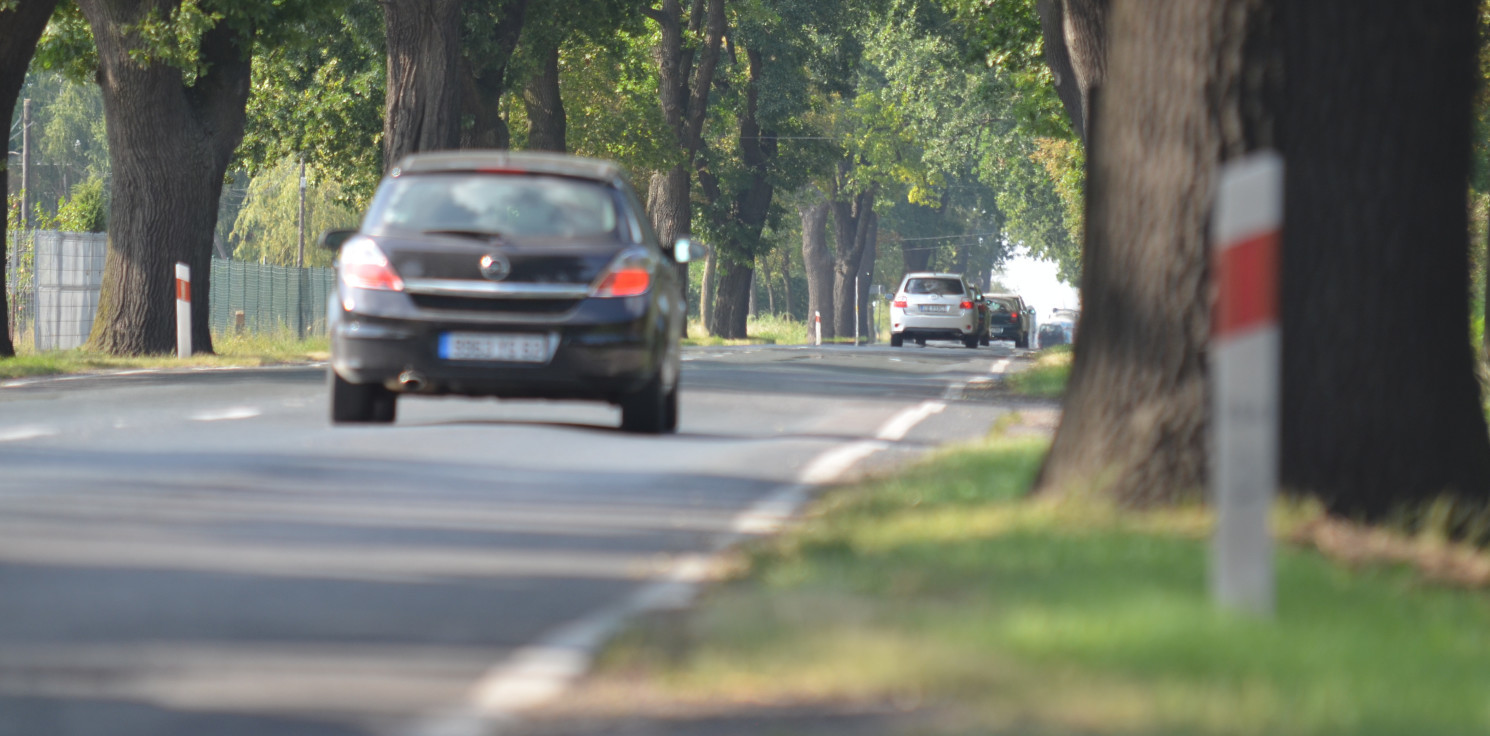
<point x="1176" y="102"/>
<point x="817" y="261"/>
<point x="169" y="147"/>
<point x="851" y="222"/>
<point x="422" y="111"/>
<point x="916" y="257"/>
<point x="1484" y="308"/>
<point x="1381" y="407"/>
<point x="546" y="121"/>
<point x="1076" y="52"/>
<point x="24" y="24"/>
<point x="706" y="291"/>
<point x="489" y="37"/>
<point x="866" y="268"/>
<point x="770" y="287"/>
<point x="732" y="306"/>
<point x="786" y="283"/>
<point x="683" y="92"/>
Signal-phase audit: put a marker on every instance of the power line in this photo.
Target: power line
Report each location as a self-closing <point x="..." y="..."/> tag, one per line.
<point x="950" y="237"/>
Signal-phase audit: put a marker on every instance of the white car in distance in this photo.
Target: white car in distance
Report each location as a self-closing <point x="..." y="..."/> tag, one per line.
<point x="934" y="306"/>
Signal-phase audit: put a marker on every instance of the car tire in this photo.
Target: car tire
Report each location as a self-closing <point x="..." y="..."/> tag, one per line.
<point x="921" y="341"/>
<point x="897" y="340"/>
<point x="670" y="411"/>
<point x="984" y="341"/>
<point x="361" y="403"/>
<point x="1021" y="341"/>
<point x="971" y="342"/>
<point x="645" y="411"/>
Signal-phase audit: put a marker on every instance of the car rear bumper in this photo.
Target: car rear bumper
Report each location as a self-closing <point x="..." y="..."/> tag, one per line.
<point x="951" y="326"/>
<point x="601" y="361"/>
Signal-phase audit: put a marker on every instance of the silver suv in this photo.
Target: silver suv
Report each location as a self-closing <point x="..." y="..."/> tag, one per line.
<point x="935" y="306"/>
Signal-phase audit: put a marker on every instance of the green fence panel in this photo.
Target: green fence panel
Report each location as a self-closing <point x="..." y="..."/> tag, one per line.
<point x="271" y="298"/>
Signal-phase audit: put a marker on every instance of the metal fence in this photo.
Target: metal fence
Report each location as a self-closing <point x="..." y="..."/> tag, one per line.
<point x="68" y="274"/>
<point x="20" y="284"/>
<point x="270" y="298"/>
<point x="53" y="279"/>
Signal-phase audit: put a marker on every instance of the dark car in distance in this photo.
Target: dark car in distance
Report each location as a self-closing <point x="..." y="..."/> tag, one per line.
<point x="505" y="274"/>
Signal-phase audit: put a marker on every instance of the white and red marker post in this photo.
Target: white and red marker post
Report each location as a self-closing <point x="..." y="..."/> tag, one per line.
<point x="183" y="310"/>
<point x="817" y="328"/>
<point x="1245" y="233"/>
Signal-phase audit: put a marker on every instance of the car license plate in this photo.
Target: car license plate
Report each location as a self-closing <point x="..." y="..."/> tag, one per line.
<point x="506" y="348"/>
<point x="933" y="309"/>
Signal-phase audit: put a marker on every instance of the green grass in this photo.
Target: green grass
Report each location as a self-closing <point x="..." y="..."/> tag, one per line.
<point x="232" y="350"/>
<point x="943" y="586"/>
<point x="763" y="330"/>
<point x="1047" y="377"/>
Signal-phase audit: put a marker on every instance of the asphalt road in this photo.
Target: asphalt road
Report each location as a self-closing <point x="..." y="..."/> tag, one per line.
<point x="201" y="554"/>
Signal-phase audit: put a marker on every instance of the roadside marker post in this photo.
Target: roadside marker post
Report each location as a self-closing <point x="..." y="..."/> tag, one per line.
<point x="817" y="328"/>
<point x="183" y="310"/>
<point x="1245" y="234"/>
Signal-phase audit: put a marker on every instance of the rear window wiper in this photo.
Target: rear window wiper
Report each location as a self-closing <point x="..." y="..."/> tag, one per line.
<point x="478" y="234"/>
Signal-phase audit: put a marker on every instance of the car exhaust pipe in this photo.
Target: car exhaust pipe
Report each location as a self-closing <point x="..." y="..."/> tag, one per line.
<point x="412" y="381"/>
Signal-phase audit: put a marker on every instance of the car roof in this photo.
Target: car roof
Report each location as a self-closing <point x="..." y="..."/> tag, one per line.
<point x="527" y="162"/>
<point x="930" y="275"/>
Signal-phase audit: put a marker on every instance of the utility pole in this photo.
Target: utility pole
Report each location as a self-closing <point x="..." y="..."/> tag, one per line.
<point x="300" y="259"/>
<point x="26" y="164"/>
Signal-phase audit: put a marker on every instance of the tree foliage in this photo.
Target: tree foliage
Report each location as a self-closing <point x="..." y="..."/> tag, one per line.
<point x="267" y="228"/>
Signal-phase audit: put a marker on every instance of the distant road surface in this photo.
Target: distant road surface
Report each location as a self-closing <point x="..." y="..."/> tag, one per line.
<point x="201" y="554"/>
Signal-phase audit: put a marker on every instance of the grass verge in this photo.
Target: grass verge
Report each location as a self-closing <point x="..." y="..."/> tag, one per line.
<point x="1047" y="377"/>
<point x="232" y="350"/>
<point x="942" y="586"/>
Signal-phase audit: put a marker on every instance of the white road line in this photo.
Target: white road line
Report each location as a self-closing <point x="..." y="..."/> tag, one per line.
<point x="18" y="434"/>
<point x="999" y="366"/>
<point x="896" y="429"/>
<point x="231" y="413"/>
<point x="540" y="672"/>
<point x="954" y="391"/>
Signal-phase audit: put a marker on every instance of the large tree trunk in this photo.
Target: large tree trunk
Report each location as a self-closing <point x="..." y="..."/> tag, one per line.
<point x="732" y="305"/>
<point x="817" y="261"/>
<point x="488" y="38"/>
<point x="546" y="121"/>
<point x="422" y="111"/>
<point x="1179" y="98"/>
<point x="745" y="211"/>
<point x="24" y="24"/>
<point x="851" y="222"/>
<point x="170" y="146"/>
<point x="1380" y="403"/>
<point x="1075" y="33"/>
<point x="683" y="92"/>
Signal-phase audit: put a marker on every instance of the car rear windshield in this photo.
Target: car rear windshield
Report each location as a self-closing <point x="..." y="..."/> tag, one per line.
<point x="502" y="204"/>
<point x="940" y="287"/>
<point x="1003" y="305"/>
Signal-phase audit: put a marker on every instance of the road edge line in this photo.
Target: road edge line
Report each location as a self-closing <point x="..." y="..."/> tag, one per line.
<point x="537" y="673"/>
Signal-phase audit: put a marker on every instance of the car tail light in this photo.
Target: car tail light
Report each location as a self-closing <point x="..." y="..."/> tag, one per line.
<point x="629" y="275"/>
<point x="363" y="265"/>
<point x="898" y="303"/>
<point x="966" y="305"/>
<point x="624" y="282"/>
<point x="1014" y="318"/>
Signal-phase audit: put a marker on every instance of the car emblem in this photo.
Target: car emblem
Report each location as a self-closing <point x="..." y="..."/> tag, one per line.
<point x="495" y="266"/>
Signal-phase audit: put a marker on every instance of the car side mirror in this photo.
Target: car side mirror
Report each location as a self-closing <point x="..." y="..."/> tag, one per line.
<point x="333" y="239"/>
<point x="687" y="250"/>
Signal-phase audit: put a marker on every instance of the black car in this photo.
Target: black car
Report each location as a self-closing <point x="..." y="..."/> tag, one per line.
<point x="494" y="273"/>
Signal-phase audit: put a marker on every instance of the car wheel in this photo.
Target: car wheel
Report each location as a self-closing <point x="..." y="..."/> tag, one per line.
<point x="1021" y="342"/>
<point x="897" y="340"/>
<point x="362" y="403"/>
<point x="670" y="411"/>
<point x="971" y="342"/>
<point x="645" y="412"/>
<point x="984" y="340"/>
<point x="921" y="341"/>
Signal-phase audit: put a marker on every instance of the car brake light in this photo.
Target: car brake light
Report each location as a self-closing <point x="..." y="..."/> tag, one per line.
<point x="966" y="305"/>
<point x="624" y="282"/>
<point x="898" y="303"/>
<point x="362" y="265"/>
